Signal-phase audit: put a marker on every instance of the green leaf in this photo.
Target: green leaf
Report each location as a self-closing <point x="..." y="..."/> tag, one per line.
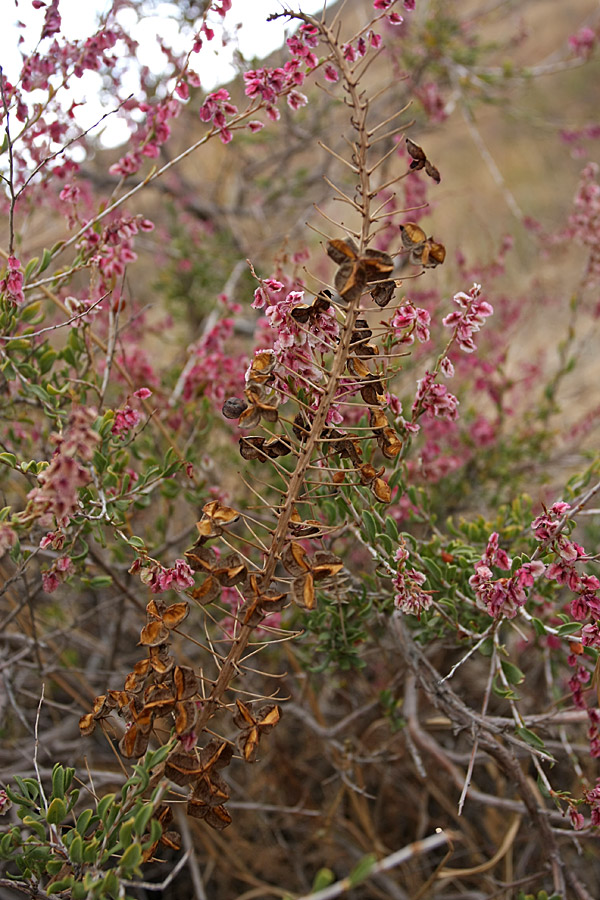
<point x="78" y="891"/>
<point x="323" y="879"/>
<point x="111" y="885"/>
<point x="9" y="459"/>
<point x="386" y="542"/>
<point x="132" y="858"/>
<point x="370" y="526"/>
<point x="83" y="821"/>
<point x="36" y="826"/>
<point x="530" y="737"/>
<point x="540" y="628"/>
<point x="61" y="885"/>
<point x="142" y="818"/>
<point x="125" y="831"/>
<point x="391" y="529"/>
<point x="57" y="811"/>
<point x="31" y="266"/>
<point x="362" y="870"/>
<point x="513" y="674"/>
<point x="137" y="542"/>
<point x="103" y="806"/>
<point x="46" y="259"/>
<point x="58" y="781"/>
<point x="568" y="628"/>
<point x="76" y="849"/>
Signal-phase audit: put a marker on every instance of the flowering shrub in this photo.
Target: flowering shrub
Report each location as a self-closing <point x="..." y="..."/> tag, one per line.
<point x="321" y="460"/>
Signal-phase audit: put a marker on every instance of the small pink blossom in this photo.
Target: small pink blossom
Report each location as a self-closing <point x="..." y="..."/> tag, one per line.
<point x="8" y="538"/>
<point x="470" y="320"/>
<point x="584" y="42"/>
<point x="12" y="283"/>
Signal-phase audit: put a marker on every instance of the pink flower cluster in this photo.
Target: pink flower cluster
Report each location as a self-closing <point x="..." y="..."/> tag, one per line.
<point x="413" y="318"/>
<point x="215" y="109"/>
<point x="12" y="284"/>
<point x="213" y="370"/>
<point x="592" y="797"/>
<point x="393" y="18"/>
<point x="434" y="399"/>
<point x="127" y="417"/>
<point x="586" y="604"/>
<point x="57" y="495"/>
<point x="410" y="596"/>
<point x="502" y="596"/>
<point x="584" y="42"/>
<point x="296" y="343"/>
<point x="160" y="579"/>
<point x="432" y="101"/>
<point x="155" y="132"/>
<point x="111" y="251"/>
<point x="584" y="222"/>
<point x="8" y="537"/>
<point x="58" y="573"/>
<point x="469" y="318"/>
<point x="84" y="308"/>
<point x="271" y="84"/>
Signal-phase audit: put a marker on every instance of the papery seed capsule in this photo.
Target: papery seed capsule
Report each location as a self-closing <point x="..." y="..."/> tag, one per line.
<point x="234" y="407"/>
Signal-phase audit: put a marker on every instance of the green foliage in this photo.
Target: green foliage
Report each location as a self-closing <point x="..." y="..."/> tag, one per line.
<point x="89" y="853"/>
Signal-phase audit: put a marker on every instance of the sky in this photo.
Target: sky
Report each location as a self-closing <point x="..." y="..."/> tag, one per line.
<point x="254" y="37"/>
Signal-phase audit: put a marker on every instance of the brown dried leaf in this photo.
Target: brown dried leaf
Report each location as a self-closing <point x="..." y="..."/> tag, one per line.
<point x="350" y="280"/>
<point x="175" y="614"/>
<point x="340" y="251"/>
<point x="209" y="590"/>
<point x="303" y="591"/>
<point x="382" y="490"/>
<point x="357" y="367"/>
<point x="324" y="564"/>
<point x="220" y="513"/>
<point x="383" y="292"/>
<point x="185" y="681"/>
<point x="153" y="634"/>
<point x="159" y="698"/>
<point x="201" y="559"/>
<point x="294" y="558"/>
<point x="186" y="717"/>
<point x="134" y="743"/>
<point x="161" y="660"/>
<point x="87" y="724"/>
<point x="184" y="768"/>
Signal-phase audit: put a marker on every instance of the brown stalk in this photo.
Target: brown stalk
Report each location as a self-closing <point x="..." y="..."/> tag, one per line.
<point x="360" y="147"/>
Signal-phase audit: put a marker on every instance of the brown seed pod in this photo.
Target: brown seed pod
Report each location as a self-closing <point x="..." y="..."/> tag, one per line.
<point x="424" y="251"/>
<point x="234" y="407"/>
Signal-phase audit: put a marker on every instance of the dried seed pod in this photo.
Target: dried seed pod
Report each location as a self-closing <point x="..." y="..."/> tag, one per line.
<point x="251" y="448"/>
<point x="234" y="407"/>
<point x="420" y="161"/>
<point x="383" y="292"/>
<point x="424" y="251"/>
<point x="381" y="490"/>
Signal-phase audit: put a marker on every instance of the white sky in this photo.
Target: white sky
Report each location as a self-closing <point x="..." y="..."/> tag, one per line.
<point x="254" y="37"/>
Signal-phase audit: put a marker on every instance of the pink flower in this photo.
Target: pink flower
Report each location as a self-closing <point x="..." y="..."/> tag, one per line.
<point x="8" y="538"/>
<point x="469" y="321"/>
<point x="143" y="393"/>
<point x="295" y="100"/>
<point x="577" y="819"/>
<point x="583" y="42"/>
<point x="434" y="399"/>
<point x="415" y="319"/>
<point x="12" y="283"/>
<point x="125" y="420"/>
